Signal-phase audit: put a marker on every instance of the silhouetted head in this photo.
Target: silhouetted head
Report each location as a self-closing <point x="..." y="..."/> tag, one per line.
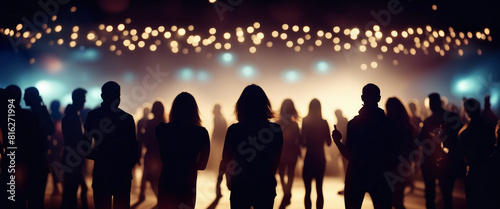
<point x="472" y="107"/>
<point x="217" y="109"/>
<point x="32" y="97"/>
<point x="13" y="92"/>
<point x="288" y="111"/>
<point x="110" y="92"/>
<point x="413" y="107"/>
<point x="435" y="103"/>
<point x="338" y="113"/>
<point x="371" y="94"/>
<point x="145" y="112"/>
<point x="487" y="104"/>
<point x="158" y="110"/>
<point x="185" y="110"/>
<point x="253" y="105"/>
<point x="396" y="110"/>
<point x="55" y="106"/>
<point x="315" y="109"/>
<point x="78" y="97"/>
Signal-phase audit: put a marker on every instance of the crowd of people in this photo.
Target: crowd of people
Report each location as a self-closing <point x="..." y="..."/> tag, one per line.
<point x="381" y="150"/>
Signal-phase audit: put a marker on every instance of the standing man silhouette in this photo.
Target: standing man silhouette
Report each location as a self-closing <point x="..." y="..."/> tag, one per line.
<point x="115" y="150"/>
<point x="371" y="149"/>
<point x="439" y="138"/>
<point x="73" y="135"/>
<point x="39" y="165"/>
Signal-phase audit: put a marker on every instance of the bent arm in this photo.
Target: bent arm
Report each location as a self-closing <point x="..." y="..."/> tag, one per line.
<point x="337" y="136"/>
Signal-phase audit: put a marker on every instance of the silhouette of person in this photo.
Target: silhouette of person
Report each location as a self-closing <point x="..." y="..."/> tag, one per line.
<point x="56" y="144"/>
<point x="291" y="148"/>
<point x="141" y="127"/>
<point x="152" y="159"/>
<point x="141" y="135"/>
<point x="315" y="133"/>
<point x="415" y="117"/>
<point x="218" y="134"/>
<point x="488" y="113"/>
<point x="477" y="141"/>
<point x="252" y="151"/>
<point x="416" y="122"/>
<point x="115" y="150"/>
<point x="342" y="127"/>
<point x="371" y="149"/>
<point x="396" y="111"/>
<point x="33" y="99"/>
<point x="30" y="156"/>
<point x="73" y="135"/>
<point x="184" y="148"/>
<point x="439" y="133"/>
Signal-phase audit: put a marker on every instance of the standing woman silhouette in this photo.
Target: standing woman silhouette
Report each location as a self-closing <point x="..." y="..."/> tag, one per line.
<point x="396" y="111"/>
<point x="152" y="160"/>
<point x="184" y="147"/>
<point x="315" y="133"/>
<point x="252" y="151"/>
<point x="291" y="148"/>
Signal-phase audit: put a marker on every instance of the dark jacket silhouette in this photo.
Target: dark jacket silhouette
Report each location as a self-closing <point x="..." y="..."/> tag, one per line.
<point x="477" y="143"/>
<point x="115" y="152"/>
<point x="372" y="148"/>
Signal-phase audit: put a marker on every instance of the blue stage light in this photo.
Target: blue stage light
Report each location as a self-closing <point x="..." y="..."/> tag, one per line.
<point x="291" y="76"/>
<point x="185" y="74"/>
<point x="128" y="77"/>
<point x="227" y="58"/>
<point x="322" y="67"/>
<point x="203" y="76"/>
<point x="247" y="72"/>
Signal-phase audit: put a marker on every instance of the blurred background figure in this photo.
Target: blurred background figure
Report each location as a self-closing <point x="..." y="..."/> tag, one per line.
<point x="72" y="129"/>
<point x="218" y="134"/>
<point x="488" y="113"/>
<point x="291" y="148"/>
<point x="396" y="111"/>
<point x="342" y="127"/>
<point x="56" y="145"/>
<point x="184" y="146"/>
<point x="442" y="163"/>
<point x="315" y="134"/>
<point x="152" y="159"/>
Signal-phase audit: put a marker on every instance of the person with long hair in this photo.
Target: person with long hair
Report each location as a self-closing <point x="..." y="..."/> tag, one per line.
<point x="315" y="134"/>
<point x="396" y="111"/>
<point x="184" y="147"/>
<point x="291" y="148"/>
<point x="152" y="160"/>
<point x="252" y="151"/>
